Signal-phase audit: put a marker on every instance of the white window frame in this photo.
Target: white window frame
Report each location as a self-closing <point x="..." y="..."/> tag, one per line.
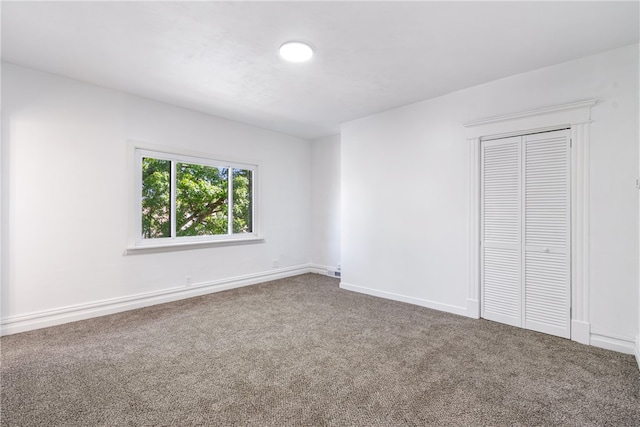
<point x="136" y="243"/>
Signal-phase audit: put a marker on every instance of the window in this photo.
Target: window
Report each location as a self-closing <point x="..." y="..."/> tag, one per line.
<point x="182" y="199"/>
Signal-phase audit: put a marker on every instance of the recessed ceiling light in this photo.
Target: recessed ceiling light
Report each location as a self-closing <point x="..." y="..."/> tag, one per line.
<point x="296" y="51"/>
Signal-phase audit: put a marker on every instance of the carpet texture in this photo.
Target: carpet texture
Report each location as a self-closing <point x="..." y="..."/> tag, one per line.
<point x="301" y="351"/>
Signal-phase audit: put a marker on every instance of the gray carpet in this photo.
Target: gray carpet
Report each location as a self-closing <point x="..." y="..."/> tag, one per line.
<point x="300" y="351"/>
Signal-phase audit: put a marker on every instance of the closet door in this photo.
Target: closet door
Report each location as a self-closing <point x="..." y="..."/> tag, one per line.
<point x="547" y="299"/>
<point x="501" y="225"/>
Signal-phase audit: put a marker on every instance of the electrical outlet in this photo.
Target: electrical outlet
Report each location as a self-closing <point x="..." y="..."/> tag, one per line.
<point x="188" y="280"/>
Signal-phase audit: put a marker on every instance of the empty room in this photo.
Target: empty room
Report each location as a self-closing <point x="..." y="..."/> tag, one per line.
<point x="306" y="213"/>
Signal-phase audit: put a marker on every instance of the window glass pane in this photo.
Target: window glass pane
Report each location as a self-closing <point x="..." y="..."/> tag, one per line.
<point x="201" y="200"/>
<point x="156" y="198"/>
<point x="242" y="201"/>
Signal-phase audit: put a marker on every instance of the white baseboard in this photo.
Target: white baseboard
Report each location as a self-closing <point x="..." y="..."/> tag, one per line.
<point x="318" y="268"/>
<point x="615" y="344"/>
<point x="403" y="298"/>
<point x="473" y="308"/>
<point x="323" y="269"/>
<point x="46" y="318"/>
<point x="11" y="325"/>
<point x="580" y="331"/>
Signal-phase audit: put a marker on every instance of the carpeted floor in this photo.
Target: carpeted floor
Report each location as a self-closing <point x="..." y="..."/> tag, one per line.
<point x="301" y="351"/>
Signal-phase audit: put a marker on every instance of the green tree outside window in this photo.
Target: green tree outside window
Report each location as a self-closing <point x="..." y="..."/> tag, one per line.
<point x="201" y="199"/>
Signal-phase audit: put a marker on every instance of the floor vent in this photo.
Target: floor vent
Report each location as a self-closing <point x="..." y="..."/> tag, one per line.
<point x="333" y="273"/>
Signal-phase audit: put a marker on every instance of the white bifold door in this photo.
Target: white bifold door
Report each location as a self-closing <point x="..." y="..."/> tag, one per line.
<point x="525" y="226"/>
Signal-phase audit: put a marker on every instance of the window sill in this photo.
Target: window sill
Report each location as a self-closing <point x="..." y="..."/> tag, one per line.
<point x="185" y="246"/>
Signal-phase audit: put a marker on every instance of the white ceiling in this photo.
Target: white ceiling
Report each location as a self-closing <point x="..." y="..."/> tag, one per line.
<point x="221" y="57"/>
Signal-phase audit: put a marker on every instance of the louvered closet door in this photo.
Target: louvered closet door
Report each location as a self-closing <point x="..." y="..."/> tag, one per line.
<point x="546" y="233"/>
<point x="501" y="227"/>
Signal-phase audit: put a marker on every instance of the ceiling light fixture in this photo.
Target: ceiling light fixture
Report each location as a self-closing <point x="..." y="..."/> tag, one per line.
<point x="296" y="51"/>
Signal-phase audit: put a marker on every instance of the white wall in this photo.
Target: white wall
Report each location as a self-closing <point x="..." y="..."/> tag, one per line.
<point x="405" y="192"/>
<point x="638" y="332"/>
<point x="325" y="202"/>
<point x="66" y="182"/>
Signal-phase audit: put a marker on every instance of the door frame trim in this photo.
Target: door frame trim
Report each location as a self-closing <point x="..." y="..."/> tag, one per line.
<point x="577" y="117"/>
